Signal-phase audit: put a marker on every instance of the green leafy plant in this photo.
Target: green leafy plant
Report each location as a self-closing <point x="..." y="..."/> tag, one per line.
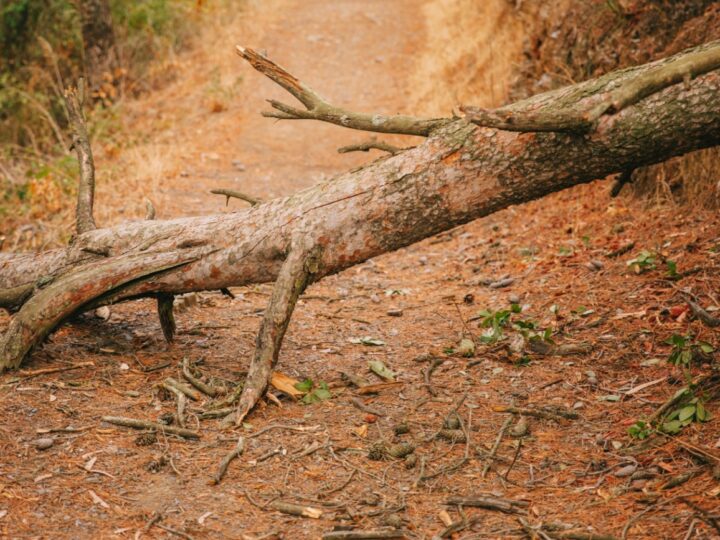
<point x="685" y="348"/>
<point x="493" y="321"/>
<point x="640" y="430"/>
<point x="671" y="269"/>
<point x="313" y="393"/>
<point x="691" y="411"/>
<point x="643" y="261"/>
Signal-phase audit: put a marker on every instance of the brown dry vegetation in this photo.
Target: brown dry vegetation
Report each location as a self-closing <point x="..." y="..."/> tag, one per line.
<point x="202" y="131"/>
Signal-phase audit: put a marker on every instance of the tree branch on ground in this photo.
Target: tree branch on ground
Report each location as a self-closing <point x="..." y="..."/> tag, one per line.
<point x="461" y="173"/>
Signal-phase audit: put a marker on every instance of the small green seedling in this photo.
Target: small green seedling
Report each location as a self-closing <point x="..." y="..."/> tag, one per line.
<point x="684" y="349"/>
<point x="313" y="393"/>
<point x="640" y="430"/>
<point x="692" y="411"/>
<point x="643" y="261"/>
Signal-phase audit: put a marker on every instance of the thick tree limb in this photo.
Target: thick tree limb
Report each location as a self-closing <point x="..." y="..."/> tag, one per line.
<point x="460" y="173"/>
<point x="316" y="108"/>
<point x="295" y="275"/>
<point x="581" y="115"/>
<point x="59" y="299"/>
<point x="74" y="100"/>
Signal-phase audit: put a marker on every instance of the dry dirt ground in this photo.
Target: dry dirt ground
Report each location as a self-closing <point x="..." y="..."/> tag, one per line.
<point x="102" y="481"/>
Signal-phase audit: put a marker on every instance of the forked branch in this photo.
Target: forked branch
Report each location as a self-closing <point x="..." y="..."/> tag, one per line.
<point x="74" y="99"/>
<point x="316" y="108"/>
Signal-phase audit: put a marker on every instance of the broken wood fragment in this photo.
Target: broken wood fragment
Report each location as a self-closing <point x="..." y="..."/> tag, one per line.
<point x="556" y="414"/>
<point x="508" y="506"/>
<point x="205" y="388"/>
<point x="225" y="462"/>
<point x="145" y="424"/>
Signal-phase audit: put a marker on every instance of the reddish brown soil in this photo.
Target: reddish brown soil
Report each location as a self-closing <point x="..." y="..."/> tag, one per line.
<point x="566" y="471"/>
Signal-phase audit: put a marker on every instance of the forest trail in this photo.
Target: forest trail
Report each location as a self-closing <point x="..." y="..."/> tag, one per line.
<point x="106" y="482"/>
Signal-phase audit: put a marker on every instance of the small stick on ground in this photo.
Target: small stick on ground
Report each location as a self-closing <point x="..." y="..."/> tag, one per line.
<point x="181" y="403"/>
<point x="145" y="424"/>
<point x="364" y="535"/>
<point x="45" y="371"/>
<point x="713" y="521"/>
<point x="173" y="385"/>
<point x="538" y="413"/>
<point x="174" y="531"/>
<point x="296" y="509"/>
<point x="225" y="462"/>
<point x="512" y="464"/>
<point x="357" y="402"/>
<point x="488" y="502"/>
<point x="232" y="194"/>
<point x="495" y="446"/>
<point x="427" y="373"/>
<point x="703" y="315"/>
<point x="197" y="383"/>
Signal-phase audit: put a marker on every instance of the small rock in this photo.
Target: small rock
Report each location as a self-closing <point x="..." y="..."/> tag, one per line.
<point x="514" y="299"/>
<point x="521" y="429"/>
<point x="423" y="260"/>
<point x="44" y="443"/>
<point x="395" y="312"/>
<point x="393" y="520"/>
<point x="374" y="298"/>
<point x="466" y="348"/>
<point x="103" y="313"/>
<point x="502" y="283"/>
<point x="626" y="471"/>
<point x="578" y="405"/>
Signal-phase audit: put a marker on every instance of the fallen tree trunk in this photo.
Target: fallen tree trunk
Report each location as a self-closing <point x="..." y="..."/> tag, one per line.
<point x="460" y="173"/>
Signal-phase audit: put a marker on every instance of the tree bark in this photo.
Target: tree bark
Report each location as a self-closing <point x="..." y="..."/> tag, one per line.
<point x="460" y="173"/>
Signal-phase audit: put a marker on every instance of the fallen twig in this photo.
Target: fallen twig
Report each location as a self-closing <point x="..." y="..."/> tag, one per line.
<point x="296" y="509"/>
<point x="45" y="371"/>
<point x="364" y="408"/>
<point x="703" y="315"/>
<point x="174" y="385"/>
<point x="557" y="415"/>
<point x="495" y="446"/>
<point x="508" y="506"/>
<point x="225" y="462"/>
<point x="145" y="424"/>
<point x="364" y="535"/>
<point x="197" y="383"/>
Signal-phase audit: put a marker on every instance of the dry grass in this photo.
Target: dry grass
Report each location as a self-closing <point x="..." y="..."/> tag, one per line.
<point x="693" y="179"/>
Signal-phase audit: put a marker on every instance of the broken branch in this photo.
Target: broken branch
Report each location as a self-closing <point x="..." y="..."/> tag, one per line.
<point x="232" y="194"/>
<point x="319" y="109"/>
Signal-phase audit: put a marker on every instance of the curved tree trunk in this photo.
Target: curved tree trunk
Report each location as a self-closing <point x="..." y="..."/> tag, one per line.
<point x="460" y="173"/>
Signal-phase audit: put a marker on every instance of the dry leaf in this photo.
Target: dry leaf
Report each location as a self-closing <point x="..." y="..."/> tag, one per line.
<point x="285" y="384"/>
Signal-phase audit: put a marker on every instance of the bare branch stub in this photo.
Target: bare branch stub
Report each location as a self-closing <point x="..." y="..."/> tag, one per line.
<point x="371" y="144"/>
<point x="232" y="194"/>
<point x="74" y="99"/>
<point x="316" y="108"/>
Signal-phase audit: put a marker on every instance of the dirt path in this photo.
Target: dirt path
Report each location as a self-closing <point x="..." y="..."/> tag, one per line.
<point x="101" y="482"/>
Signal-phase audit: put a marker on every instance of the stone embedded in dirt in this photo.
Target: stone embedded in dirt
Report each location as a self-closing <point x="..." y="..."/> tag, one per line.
<point x="626" y="471"/>
<point x="395" y="312"/>
<point x="44" y="443"/>
<point x="514" y="299"/>
<point x="521" y="429"/>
